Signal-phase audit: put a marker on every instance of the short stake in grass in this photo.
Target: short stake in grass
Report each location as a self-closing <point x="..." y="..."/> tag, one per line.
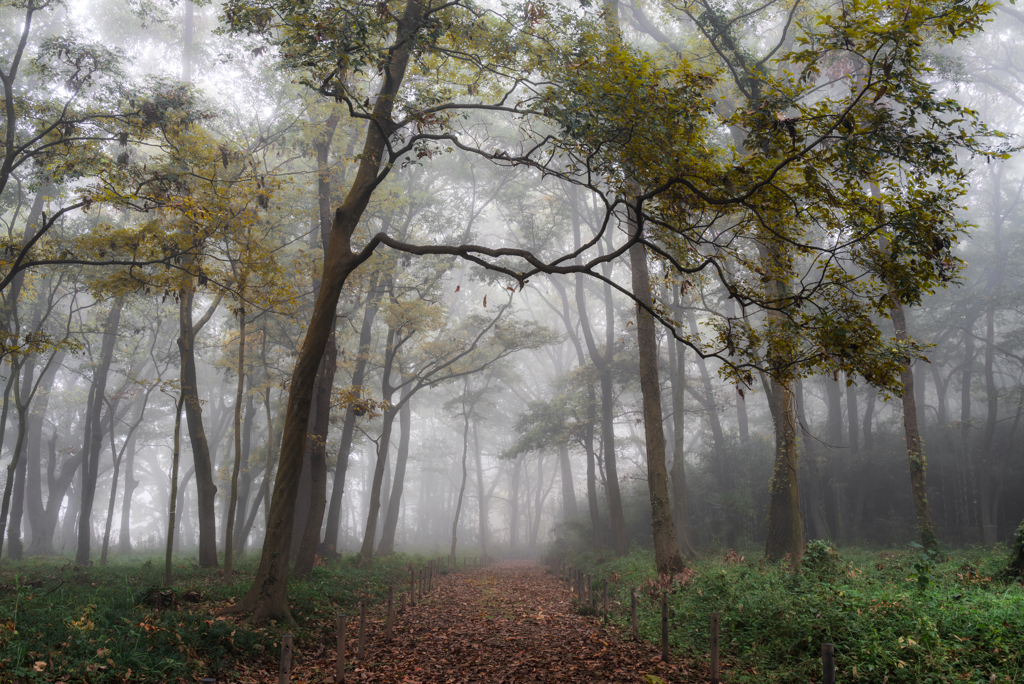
<point x="606" y="600"/>
<point x="714" y="648"/>
<point x="340" y="674"/>
<point x="362" y="630"/>
<point x="664" y="627"/>
<point x="828" y="664"/>
<point x="391" y="615"/>
<point x="286" y="660"/>
<point x="632" y="615"/>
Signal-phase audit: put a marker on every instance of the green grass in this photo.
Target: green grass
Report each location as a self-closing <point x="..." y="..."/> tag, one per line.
<point x="94" y="623"/>
<point x="893" y="616"/>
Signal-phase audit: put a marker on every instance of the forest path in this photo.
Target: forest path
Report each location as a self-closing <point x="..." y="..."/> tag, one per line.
<point x="503" y="623"/>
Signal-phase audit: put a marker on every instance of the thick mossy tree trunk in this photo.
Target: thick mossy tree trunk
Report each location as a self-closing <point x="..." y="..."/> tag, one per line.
<point x="666" y="551"/>
<point x="785" y="528"/>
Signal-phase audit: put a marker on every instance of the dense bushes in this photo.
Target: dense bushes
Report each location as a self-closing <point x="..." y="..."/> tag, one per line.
<point x="961" y="625"/>
<point x="115" y="624"/>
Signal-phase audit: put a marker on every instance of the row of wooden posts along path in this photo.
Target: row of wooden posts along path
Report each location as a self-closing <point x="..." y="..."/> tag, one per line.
<point x="502" y="623"/>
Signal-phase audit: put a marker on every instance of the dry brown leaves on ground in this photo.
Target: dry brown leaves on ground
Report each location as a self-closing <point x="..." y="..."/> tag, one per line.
<point x="502" y="624"/>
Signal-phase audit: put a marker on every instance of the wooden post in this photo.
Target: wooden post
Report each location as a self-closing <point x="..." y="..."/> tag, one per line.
<point x="714" y="649"/>
<point x="286" y="660"/>
<point x="412" y="585"/>
<point x="606" y="600"/>
<point x="361" y="653"/>
<point x="401" y="604"/>
<point x="590" y="590"/>
<point x="828" y="664"/>
<point x="664" y="626"/>
<point x="632" y="613"/>
<point x="340" y="674"/>
<point x="391" y="615"/>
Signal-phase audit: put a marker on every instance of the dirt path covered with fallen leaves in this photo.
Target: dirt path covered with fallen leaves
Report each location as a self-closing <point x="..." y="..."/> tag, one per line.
<point x="502" y="624"/>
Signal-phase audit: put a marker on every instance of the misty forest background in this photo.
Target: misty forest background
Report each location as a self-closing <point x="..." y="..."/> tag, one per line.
<point x="170" y="180"/>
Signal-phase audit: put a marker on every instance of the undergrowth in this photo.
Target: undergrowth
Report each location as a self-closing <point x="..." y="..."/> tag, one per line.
<point x="894" y="617"/>
<point x="62" y="622"/>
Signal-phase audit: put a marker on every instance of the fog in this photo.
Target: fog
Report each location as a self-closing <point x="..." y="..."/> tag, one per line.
<point x="173" y="173"/>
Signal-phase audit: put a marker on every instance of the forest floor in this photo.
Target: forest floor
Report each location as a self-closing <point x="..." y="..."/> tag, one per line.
<point x="503" y="623"/>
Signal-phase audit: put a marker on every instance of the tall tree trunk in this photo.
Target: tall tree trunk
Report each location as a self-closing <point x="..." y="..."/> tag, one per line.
<point x="603" y="363"/>
<point x="91" y="464"/>
<point x="268" y="596"/>
<point x="206" y="489"/>
<point x="852" y="418"/>
<point x="387" y="539"/>
<point x="34" y="452"/>
<point x="466" y="412"/>
<point x="666" y="552"/>
<point x="484" y="498"/>
<point x="513" y="505"/>
<point x="941" y="388"/>
<point x="539" y="497"/>
<point x="376" y="291"/>
<point x="835" y="412"/>
<point x="229" y="529"/>
<point x="984" y="478"/>
<point x="722" y="466"/>
<point x="383" y="447"/>
<point x="317" y="442"/>
<point x="965" y="388"/>
<point x="15" y="549"/>
<point x="915" y="452"/>
<point x="813" y="477"/>
<point x="173" y="498"/>
<point x="124" y="540"/>
<point x="680" y="497"/>
<point x="57" y="488"/>
<point x="785" y="526"/>
<point x="112" y="499"/>
<point x="785" y="530"/>
<point x="245" y="476"/>
<point x="569" y="508"/>
<point x="596" y="525"/>
<point x="869" y="414"/>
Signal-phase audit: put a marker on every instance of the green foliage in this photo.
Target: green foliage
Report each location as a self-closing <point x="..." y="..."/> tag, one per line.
<point x="821" y="559"/>
<point x="923" y="566"/>
<point x="962" y="627"/>
<point x="1015" y="564"/>
<point x="116" y="623"/>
